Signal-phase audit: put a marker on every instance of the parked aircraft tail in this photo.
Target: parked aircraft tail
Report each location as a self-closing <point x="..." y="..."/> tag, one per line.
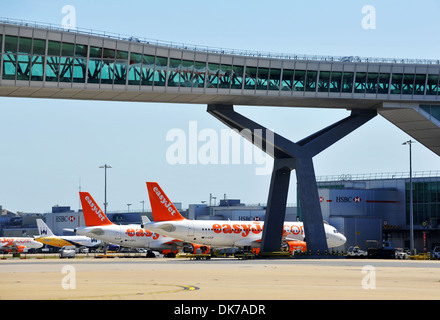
<point x="163" y="209"/>
<point x="93" y="215"/>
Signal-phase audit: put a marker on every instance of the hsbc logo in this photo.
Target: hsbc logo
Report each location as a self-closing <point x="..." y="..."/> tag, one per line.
<point x="65" y="219"/>
<point x="348" y="199"/>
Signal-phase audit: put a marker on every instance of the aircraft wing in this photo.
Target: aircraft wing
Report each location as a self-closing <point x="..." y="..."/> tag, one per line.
<point x="97" y="231"/>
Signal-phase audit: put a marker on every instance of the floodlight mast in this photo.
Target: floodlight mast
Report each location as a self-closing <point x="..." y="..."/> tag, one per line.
<point x="105" y="185"/>
<point x="411" y="209"/>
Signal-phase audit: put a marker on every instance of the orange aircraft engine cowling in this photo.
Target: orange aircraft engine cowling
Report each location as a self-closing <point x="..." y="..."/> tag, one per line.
<point x="193" y="248"/>
<point x="294" y="245"/>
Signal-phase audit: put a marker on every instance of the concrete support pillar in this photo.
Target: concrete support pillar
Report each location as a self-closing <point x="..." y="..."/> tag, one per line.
<point x="289" y="156"/>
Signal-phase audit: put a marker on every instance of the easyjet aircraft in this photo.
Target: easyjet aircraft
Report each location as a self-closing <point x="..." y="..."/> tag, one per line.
<point x="47" y="237"/>
<point x="223" y="233"/>
<point x="100" y="227"/>
<point x="18" y="244"/>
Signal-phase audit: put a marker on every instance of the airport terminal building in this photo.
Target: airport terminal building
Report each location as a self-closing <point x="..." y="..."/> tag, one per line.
<point x="362" y="207"/>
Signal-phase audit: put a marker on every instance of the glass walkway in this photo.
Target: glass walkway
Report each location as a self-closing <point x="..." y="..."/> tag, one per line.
<point x="51" y="63"/>
<point x="35" y="59"/>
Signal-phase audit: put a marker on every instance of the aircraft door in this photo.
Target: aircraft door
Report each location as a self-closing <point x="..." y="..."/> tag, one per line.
<point x="190" y="229"/>
<point x="118" y="234"/>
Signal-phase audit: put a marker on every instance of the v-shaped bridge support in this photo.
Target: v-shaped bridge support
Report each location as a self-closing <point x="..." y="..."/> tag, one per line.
<point x="290" y="156"/>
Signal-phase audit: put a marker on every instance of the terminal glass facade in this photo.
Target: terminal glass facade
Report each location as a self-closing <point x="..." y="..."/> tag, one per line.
<point x="426" y="203"/>
<point x="32" y="59"/>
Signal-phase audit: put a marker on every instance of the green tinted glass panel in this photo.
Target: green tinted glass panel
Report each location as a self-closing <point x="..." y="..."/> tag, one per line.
<point x="120" y="76"/>
<point x="39" y="47"/>
<point x="174" y="71"/>
<point x="79" y="70"/>
<point x="435" y="112"/>
<point x="335" y="82"/>
<point x="347" y="82"/>
<point x="67" y="49"/>
<point x="81" y="50"/>
<point x="299" y="80"/>
<point x="274" y="79"/>
<point x="186" y="73"/>
<point x="52" y="68"/>
<point x="147" y="71"/>
<point x="262" y="78"/>
<point x="23" y="67"/>
<point x="134" y="73"/>
<point x="11" y="44"/>
<point x="287" y="80"/>
<point x="66" y="69"/>
<point x="432" y="84"/>
<point x="250" y="78"/>
<point x="9" y="66"/>
<point x="25" y="45"/>
<point x="225" y="75"/>
<point x="311" y="80"/>
<point x="37" y="68"/>
<point x="121" y="55"/>
<point x="199" y="74"/>
<point x="212" y="75"/>
<point x="360" y="82"/>
<point x="94" y="70"/>
<point x="107" y="71"/>
<point x="383" y="83"/>
<point x="419" y="84"/>
<point x="237" y="77"/>
<point x="324" y="81"/>
<point x="160" y="72"/>
<point x="371" y="86"/>
<point x="136" y="58"/>
<point x="408" y="84"/>
<point x="108" y="53"/>
<point x="396" y="83"/>
<point x="53" y="48"/>
<point x="95" y="52"/>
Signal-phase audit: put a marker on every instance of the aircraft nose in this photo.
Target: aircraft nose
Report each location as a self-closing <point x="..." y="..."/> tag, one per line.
<point x="342" y="238"/>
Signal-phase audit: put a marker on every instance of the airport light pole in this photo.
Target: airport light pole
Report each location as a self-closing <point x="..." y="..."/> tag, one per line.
<point x="411" y="209"/>
<point x="105" y="186"/>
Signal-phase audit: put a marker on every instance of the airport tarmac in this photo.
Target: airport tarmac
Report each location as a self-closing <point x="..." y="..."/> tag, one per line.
<point x="219" y="279"/>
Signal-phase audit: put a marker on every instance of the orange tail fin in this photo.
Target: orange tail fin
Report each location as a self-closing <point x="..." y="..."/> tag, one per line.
<point x="163" y="209"/>
<point x="93" y="215"/>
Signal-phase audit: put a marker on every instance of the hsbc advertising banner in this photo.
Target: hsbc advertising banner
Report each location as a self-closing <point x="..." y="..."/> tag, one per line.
<point x="358" y="202"/>
<point x="68" y="220"/>
<point x="343" y="202"/>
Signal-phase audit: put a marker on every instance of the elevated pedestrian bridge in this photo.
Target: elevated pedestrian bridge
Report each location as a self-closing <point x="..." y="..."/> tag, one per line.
<point x="43" y="61"/>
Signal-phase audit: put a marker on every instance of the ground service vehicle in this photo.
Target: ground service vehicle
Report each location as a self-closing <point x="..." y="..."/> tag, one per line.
<point x="356" y="252"/>
<point x="376" y="251"/>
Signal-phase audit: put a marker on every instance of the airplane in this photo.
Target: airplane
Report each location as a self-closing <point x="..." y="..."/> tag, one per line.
<point x="48" y="237"/>
<point x="18" y="244"/>
<point x="224" y="233"/>
<point x="134" y="236"/>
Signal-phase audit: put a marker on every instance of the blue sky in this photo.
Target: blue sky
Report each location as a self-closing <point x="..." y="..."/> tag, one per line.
<point x="50" y="147"/>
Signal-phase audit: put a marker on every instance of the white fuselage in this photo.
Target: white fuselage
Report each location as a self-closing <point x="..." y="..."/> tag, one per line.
<point x="29" y="243"/>
<point x="223" y="233"/>
<point x="132" y="236"/>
